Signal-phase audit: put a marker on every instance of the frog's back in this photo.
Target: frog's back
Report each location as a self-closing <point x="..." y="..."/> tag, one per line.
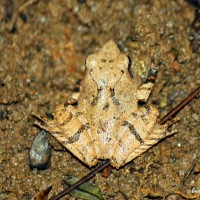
<point x="108" y="96"/>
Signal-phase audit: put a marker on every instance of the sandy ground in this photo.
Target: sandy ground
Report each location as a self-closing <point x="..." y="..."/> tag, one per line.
<point x="42" y="54"/>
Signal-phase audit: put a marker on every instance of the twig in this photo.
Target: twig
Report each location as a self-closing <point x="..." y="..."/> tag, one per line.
<point x="189" y="172"/>
<point x="8" y="10"/>
<point x="11" y="25"/>
<point x="81" y="181"/>
<point x="180" y="105"/>
<point x="185" y="196"/>
<point x="106" y="163"/>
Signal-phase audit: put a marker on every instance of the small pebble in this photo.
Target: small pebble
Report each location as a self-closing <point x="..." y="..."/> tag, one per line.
<point x="40" y="152"/>
<point x="81" y="1"/>
<point x="3" y="114"/>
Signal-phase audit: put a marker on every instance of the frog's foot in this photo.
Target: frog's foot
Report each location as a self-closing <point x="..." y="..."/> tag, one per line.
<point x="72" y="131"/>
<point x="139" y="132"/>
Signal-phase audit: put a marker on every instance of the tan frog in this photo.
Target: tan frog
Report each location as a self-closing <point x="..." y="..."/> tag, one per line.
<point x="107" y="122"/>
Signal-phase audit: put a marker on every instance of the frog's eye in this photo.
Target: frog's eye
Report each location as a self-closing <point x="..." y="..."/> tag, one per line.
<point x="103" y="60"/>
<point x="91" y="62"/>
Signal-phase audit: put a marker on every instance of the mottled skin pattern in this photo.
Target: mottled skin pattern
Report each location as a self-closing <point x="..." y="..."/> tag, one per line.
<point x="107" y="123"/>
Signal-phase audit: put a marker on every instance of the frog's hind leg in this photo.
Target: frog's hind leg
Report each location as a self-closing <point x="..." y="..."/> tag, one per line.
<point x="71" y="133"/>
<point x="138" y="133"/>
<point x="45" y="123"/>
<point x="52" y="127"/>
<point x="158" y="133"/>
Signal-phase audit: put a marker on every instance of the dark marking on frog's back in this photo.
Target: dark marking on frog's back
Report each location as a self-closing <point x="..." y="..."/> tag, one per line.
<point x="96" y="98"/>
<point x="67" y="120"/>
<point x="76" y="136"/>
<point x="106" y="106"/>
<point x="133" y="131"/>
<point x="113" y="98"/>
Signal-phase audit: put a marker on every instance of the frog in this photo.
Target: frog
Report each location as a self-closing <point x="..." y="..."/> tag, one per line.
<point x="108" y="121"/>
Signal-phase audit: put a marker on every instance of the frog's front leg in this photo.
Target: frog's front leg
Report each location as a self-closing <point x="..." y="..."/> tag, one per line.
<point x="144" y="91"/>
<point x="73" y="98"/>
<point x="72" y="130"/>
<point x="139" y="132"/>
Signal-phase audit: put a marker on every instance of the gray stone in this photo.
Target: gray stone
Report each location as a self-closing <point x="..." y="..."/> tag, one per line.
<point x="40" y="151"/>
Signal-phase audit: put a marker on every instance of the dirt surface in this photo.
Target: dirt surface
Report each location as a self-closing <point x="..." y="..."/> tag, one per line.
<point x="43" y="49"/>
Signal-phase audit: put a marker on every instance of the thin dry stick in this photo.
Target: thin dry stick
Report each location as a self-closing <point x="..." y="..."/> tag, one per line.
<point x="19" y="11"/>
<point x="81" y="181"/>
<point x="106" y="163"/>
<point x="180" y="105"/>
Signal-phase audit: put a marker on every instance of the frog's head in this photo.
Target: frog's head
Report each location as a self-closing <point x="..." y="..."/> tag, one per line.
<point x="107" y="66"/>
